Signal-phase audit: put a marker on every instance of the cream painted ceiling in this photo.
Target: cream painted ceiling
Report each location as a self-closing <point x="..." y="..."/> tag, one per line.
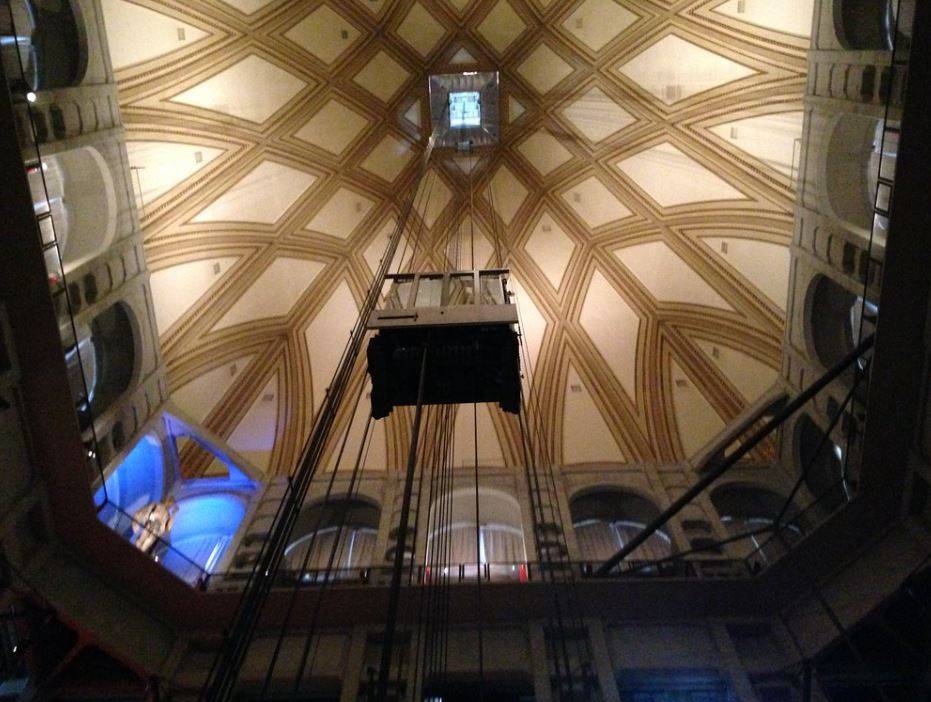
<point x="642" y="188"/>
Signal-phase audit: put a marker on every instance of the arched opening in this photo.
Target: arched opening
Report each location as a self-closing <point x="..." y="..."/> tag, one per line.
<point x="851" y="167"/>
<point x="745" y="509"/>
<point x="102" y="362"/>
<point x="605" y="520"/>
<point x="829" y="320"/>
<point x="47" y="39"/>
<point x="496" y="541"/>
<point x="344" y="530"/>
<point x="82" y="201"/>
<point x="863" y="25"/>
<point x="826" y="478"/>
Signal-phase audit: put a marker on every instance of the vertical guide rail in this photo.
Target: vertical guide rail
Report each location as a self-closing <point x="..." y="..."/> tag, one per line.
<point x="391" y="616"/>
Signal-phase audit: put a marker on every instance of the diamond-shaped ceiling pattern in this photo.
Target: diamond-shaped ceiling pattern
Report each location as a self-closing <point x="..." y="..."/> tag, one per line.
<point x="252" y="89"/>
<point x="597" y="22"/>
<point x="641" y="195"/>
<point x="674" y="69"/>
<point x="324" y="34"/>
<point x="596" y="116"/>
<point x="333" y="127"/>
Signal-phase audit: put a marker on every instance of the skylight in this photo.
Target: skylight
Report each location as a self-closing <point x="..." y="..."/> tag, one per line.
<point x="465" y="109"/>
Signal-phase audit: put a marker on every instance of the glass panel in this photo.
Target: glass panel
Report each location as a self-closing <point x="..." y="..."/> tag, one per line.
<point x="398" y="294"/>
<point x="492" y="288"/>
<point x="461" y="290"/>
<point x="429" y="291"/>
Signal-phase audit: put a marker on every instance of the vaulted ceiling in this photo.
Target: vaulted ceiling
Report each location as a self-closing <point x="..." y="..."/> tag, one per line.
<point x="642" y="192"/>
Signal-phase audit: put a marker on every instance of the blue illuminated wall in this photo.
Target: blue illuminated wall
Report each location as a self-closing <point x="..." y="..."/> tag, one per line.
<point x="202" y="530"/>
<point x="206" y="512"/>
<point x="137" y="481"/>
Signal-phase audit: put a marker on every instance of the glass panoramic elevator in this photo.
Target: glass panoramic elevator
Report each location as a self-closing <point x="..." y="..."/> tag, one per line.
<point x="435" y="342"/>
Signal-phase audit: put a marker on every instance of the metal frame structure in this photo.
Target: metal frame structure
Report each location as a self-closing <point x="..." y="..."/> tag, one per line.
<point x="450" y="312"/>
<point x="733" y="459"/>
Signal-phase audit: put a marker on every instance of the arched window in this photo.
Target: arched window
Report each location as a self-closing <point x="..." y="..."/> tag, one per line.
<point x="343" y="529"/>
<point x="82" y="202"/>
<point x="745" y="509"/>
<point x="851" y="168"/>
<point x="605" y="520"/>
<point x="865" y="24"/>
<point x="498" y="542"/>
<point x="829" y="319"/>
<point x="47" y="38"/>
<point x="101" y="363"/>
<point x="826" y="480"/>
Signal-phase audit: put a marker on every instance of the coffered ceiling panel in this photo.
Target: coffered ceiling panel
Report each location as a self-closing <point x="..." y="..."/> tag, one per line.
<point x="326" y="337"/>
<point x="324" y="34"/>
<point x="594" y="204"/>
<point x="388" y="158"/>
<point x="254" y="436"/>
<point x="274" y="292"/>
<point x="674" y="69"/>
<point x="596" y="116"/>
<point x="198" y="397"/>
<point x="788" y="16"/>
<point x="163" y="165"/>
<point x="672" y="178"/>
<point x="164" y="34"/>
<point x="769" y="138"/>
<point x="501" y="26"/>
<point x="382" y="76"/>
<point x="341" y="214"/>
<point x="551" y="249"/>
<point x="667" y="276"/>
<point x="696" y="418"/>
<point x="751" y="377"/>
<point x="641" y="194"/>
<point x="253" y="89"/>
<point x="262" y="195"/>
<point x="598" y="22"/>
<point x="764" y="263"/>
<point x="613" y="326"/>
<point x="489" y="447"/>
<point x="544" y="152"/>
<point x="586" y="435"/>
<point x="544" y="68"/>
<point x="246" y="6"/>
<point x="333" y="127"/>
<point x="178" y="288"/>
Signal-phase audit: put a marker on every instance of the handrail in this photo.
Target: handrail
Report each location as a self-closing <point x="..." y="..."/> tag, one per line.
<point x="501" y="572"/>
<point x="729" y="462"/>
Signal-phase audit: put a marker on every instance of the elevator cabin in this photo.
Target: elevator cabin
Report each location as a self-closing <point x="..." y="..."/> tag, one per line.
<point x="458" y="330"/>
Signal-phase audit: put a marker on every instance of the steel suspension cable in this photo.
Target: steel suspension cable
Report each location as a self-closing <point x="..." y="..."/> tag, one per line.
<point x="269" y="674"/>
<point x="224" y="671"/>
<point x="358" y="469"/>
